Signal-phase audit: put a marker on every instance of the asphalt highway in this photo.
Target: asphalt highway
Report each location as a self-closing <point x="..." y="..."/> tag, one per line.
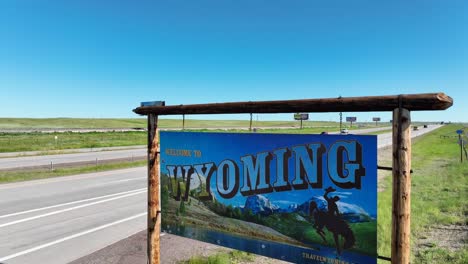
<point x="62" y="219"/>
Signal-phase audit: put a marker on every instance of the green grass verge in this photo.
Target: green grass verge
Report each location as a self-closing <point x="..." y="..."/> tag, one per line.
<point x="16" y="176"/>
<point x="308" y="130"/>
<point x="439" y="191"/>
<point x="14" y="142"/>
<point x="234" y="256"/>
<point x="48" y="123"/>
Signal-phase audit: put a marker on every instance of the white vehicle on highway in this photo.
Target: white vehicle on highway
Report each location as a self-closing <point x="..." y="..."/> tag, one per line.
<point x="344" y="131"/>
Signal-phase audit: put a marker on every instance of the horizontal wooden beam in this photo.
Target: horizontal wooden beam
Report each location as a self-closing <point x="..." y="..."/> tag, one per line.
<point x="412" y="102"/>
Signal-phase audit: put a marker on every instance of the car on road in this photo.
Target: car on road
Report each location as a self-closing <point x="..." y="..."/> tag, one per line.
<point x="344" y="131"/>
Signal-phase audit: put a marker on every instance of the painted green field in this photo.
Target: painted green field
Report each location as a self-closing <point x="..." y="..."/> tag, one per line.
<point x="438" y="202"/>
<point x="234" y="256"/>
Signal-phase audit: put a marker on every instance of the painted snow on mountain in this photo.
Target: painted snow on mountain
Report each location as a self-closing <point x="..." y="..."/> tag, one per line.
<point x="349" y="212"/>
<point x="290" y="209"/>
<point x="196" y="180"/>
<point x="259" y="204"/>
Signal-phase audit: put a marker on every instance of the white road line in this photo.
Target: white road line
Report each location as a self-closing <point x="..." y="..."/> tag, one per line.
<point x="118" y="181"/>
<point x="70" y="237"/>
<point x="67" y="178"/>
<point x="69" y="203"/>
<point x="68" y="209"/>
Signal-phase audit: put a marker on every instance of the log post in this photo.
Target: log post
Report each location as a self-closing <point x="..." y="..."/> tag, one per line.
<point x="154" y="209"/>
<point x="401" y="202"/>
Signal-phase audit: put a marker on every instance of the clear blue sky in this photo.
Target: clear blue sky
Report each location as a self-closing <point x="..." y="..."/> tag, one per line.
<point x="101" y="58"/>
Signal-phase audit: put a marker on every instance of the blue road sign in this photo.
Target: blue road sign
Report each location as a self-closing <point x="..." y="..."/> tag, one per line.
<point x="460" y="131"/>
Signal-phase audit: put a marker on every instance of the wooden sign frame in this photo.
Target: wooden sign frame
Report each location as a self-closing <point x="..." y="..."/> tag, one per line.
<point x="400" y="105"/>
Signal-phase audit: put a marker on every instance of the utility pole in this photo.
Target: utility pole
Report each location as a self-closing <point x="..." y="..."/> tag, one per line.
<point x="341" y="120"/>
<point x="341" y="116"/>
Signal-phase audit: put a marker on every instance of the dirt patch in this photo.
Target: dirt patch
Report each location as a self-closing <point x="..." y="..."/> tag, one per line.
<point x="450" y="237"/>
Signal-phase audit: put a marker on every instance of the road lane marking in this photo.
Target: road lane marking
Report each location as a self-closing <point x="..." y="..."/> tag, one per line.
<point x="119" y="181"/>
<point x="69" y="203"/>
<point x="70" y="237"/>
<point x="75" y="177"/>
<point x="68" y="209"/>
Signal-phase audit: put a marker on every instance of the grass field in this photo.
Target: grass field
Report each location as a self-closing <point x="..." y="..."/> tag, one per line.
<point x="46" y="123"/>
<point x="45" y="142"/>
<point x="60" y="123"/>
<point x="439" y="191"/>
<point x="14" y="142"/>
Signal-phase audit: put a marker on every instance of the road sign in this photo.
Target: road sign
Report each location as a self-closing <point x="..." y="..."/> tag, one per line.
<point x="351" y="119"/>
<point x="153" y="103"/>
<point x="301" y="116"/>
<point x="376" y="119"/>
<point x="460" y="131"/>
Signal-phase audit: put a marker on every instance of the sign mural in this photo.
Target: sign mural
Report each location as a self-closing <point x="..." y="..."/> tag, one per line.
<point x="299" y="198"/>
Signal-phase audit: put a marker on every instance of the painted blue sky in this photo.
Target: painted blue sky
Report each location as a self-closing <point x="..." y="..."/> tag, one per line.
<point x="101" y="58"/>
<point x="217" y="147"/>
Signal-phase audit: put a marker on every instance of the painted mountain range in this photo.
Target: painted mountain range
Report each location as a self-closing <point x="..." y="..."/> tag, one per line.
<point x="260" y="204"/>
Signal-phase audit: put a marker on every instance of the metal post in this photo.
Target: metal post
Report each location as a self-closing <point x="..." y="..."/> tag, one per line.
<point x="460" y="142"/>
<point x="250" y="129"/>
<point x="341" y="117"/>
<point x="154" y="209"/>
<point x="183" y="122"/>
<point x="341" y="120"/>
<point x="401" y="202"/>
